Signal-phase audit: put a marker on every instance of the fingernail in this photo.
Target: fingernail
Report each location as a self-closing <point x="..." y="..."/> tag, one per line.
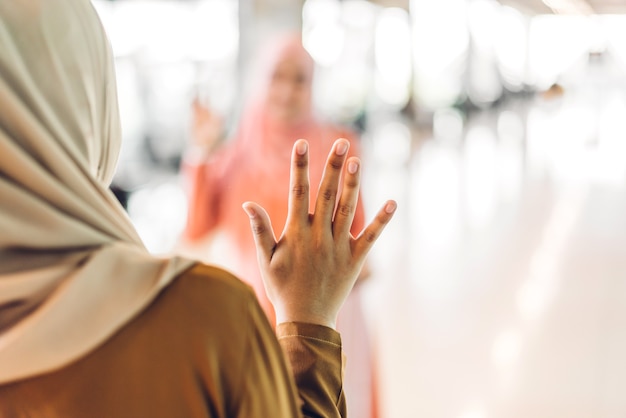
<point x="301" y="148"/>
<point x="342" y="148"/>
<point x="391" y="207"/>
<point x="353" y="166"/>
<point x="248" y="209"/>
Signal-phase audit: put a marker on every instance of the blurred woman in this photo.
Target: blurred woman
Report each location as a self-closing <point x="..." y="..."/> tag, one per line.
<point x="91" y="324"/>
<point x="253" y="165"/>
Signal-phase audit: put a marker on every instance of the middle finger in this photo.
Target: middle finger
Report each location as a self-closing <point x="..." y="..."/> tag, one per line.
<point x="329" y="185"/>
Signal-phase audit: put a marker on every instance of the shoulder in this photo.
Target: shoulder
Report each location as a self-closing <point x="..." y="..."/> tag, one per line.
<point x="340" y="131"/>
<point x="221" y="323"/>
<point x="213" y="278"/>
<point x="203" y="305"/>
<point x="210" y="291"/>
<point x="331" y="132"/>
<point x="211" y="313"/>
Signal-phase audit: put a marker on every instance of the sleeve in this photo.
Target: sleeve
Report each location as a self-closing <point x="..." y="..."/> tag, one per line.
<point x="268" y="387"/>
<point x="203" y="188"/>
<point x="316" y="358"/>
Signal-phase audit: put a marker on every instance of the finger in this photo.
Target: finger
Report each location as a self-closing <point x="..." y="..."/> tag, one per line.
<point x="370" y="234"/>
<point x="327" y="193"/>
<point x="264" y="238"/>
<point x="344" y="215"/>
<point x="298" y="209"/>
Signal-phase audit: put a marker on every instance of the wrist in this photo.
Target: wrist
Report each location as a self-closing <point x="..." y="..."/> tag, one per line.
<point x="285" y="316"/>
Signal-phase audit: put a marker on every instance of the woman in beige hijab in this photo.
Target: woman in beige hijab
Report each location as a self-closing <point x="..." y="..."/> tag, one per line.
<point x="93" y="325"/>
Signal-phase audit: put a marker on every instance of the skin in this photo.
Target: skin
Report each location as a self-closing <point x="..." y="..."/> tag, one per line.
<point x="310" y="270"/>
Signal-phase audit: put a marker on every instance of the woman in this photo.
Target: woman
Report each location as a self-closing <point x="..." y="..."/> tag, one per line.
<point x="90" y="323"/>
<point x="254" y="165"/>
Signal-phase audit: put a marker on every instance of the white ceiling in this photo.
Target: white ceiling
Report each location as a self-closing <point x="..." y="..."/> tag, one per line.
<point x="533" y="7"/>
<point x="597" y="6"/>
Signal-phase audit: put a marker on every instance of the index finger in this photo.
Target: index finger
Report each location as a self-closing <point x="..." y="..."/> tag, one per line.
<point x="298" y="210"/>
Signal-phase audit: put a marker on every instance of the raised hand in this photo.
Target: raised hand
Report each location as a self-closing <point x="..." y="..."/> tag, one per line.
<point x="206" y="128"/>
<point x="310" y="270"/>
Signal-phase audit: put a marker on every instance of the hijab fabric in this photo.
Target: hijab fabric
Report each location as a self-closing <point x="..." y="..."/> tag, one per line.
<point x="73" y="270"/>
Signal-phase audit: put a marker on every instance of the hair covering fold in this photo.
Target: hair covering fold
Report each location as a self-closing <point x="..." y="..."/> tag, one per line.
<point x="73" y="270"/>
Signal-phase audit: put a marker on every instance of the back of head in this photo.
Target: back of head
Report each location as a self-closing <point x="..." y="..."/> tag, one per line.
<point x="72" y="267"/>
<point x="59" y="72"/>
<point x="59" y="125"/>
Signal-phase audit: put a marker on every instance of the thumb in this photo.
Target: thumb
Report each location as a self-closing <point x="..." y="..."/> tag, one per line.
<point x="261" y="230"/>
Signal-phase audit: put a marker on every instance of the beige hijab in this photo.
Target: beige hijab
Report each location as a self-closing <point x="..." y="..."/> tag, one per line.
<point x="72" y="269"/>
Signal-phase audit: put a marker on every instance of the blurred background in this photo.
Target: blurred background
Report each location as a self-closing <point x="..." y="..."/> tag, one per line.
<point x="499" y="290"/>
